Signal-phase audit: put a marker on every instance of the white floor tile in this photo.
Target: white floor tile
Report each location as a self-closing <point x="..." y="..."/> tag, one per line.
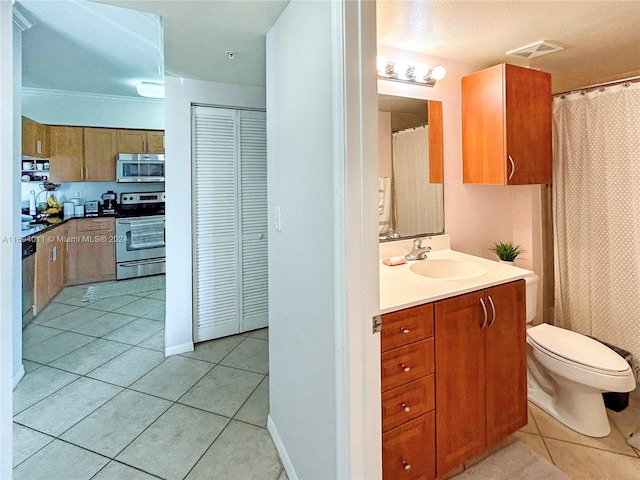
<point x="90" y="356"/>
<point x="128" y="367"/>
<point x="173" y="444"/>
<point x="26" y="442"/>
<point x="60" y="461"/>
<point x="135" y="332"/>
<point x="67" y="406"/>
<point x="39" y="384"/>
<point x="252" y="354"/>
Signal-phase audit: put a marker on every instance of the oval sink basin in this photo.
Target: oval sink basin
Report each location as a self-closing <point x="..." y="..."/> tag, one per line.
<point x="448" y="269"/>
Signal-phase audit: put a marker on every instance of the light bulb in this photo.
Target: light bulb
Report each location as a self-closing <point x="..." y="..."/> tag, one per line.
<point x="438" y="73"/>
<point x="400" y="69"/>
<point x="421" y="71"/>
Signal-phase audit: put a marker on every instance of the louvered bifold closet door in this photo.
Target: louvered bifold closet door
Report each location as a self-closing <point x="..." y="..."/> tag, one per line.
<point x="253" y="199"/>
<point x="215" y="223"/>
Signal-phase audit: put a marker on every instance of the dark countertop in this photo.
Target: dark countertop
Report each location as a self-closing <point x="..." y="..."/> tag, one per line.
<point x="42" y="226"/>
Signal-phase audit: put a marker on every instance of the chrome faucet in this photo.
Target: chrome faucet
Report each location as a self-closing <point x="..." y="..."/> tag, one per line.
<point x="419" y="252"/>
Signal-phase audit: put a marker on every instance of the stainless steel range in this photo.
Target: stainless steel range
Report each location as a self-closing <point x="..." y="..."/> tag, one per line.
<point x="140" y="229"/>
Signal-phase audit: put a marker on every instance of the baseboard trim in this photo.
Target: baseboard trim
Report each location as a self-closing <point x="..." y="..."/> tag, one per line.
<point x="18" y="376"/>
<point x="284" y="456"/>
<point x="176" y="349"/>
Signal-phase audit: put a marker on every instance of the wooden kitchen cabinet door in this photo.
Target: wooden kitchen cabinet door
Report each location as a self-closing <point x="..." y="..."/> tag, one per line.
<point x="131" y="141"/>
<point x="67" y="154"/>
<point x="155" y="141"/>
<point x="100" y="151"/>
<point x="95" y="250"/>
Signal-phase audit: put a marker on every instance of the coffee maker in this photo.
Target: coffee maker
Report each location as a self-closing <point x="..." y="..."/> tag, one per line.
<point x="109" y="203"/>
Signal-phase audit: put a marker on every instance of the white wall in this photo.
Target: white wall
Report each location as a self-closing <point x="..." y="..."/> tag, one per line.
<point x="180" y="94"/>
<point x="10" y="294"/>
<point x="60" y="107"/>
<point x="322" y="265"/>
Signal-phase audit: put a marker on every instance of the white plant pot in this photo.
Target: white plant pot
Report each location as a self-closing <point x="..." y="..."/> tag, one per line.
<point x="508" y="263"/>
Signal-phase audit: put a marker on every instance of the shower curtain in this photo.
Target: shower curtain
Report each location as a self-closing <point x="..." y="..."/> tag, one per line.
<point x="596" y="209"/>
<point x="417" y="203"/>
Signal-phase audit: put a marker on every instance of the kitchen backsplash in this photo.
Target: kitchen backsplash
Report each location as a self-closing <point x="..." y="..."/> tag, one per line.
<point x="88" y="190"/>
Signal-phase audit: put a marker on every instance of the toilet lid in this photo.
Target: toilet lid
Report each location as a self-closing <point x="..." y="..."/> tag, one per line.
<point x="577" y="348"/>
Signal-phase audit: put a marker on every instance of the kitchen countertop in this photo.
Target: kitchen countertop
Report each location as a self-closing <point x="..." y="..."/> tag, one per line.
<point x="40" y="228"/>
<point x="401" y="288"/>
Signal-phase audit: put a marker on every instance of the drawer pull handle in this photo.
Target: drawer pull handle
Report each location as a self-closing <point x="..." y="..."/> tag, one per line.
<point x="404" y="330"/>
<point x="406" y="368"/>
<point x="406" y="408"/>
<point x="407" y="466"/>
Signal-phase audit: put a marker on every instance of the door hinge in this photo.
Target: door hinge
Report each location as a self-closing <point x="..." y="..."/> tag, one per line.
<point x="377" y="323"/>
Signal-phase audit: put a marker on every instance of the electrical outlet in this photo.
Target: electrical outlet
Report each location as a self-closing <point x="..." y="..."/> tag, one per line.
<point x="78" y="194"/>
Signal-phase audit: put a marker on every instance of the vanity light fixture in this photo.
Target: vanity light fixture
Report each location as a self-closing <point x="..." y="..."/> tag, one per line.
<point x="150" y="89"/>
<point x="399" y="71"/>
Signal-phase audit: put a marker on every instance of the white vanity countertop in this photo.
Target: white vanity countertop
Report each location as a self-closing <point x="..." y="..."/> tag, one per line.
<point x="401" y="288"/>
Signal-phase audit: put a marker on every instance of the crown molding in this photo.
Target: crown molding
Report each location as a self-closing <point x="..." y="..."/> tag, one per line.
<point x="49" y="93"/>
<point x="21" y="18"/>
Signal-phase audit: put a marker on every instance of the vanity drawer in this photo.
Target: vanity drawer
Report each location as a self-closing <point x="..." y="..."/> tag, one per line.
<point x="405" y="364"/>
<point x="406" y="326"/>
<point x="408" y="451"/>
<point x="407" y="402"/>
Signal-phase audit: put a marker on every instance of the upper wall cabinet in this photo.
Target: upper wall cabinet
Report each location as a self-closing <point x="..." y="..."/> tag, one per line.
<point x="35" y="138"/>
<point x="140" y="141"/>
<point x="506" y="126"/>
<point x="83" y="154"/>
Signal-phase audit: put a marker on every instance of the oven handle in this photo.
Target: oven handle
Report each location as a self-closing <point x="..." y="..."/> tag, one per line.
<point x="124" y="222"/>
<point x="135" y="263"/>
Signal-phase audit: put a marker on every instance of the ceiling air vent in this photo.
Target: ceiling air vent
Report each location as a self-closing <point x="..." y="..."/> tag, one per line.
<point x="535" y="50"/>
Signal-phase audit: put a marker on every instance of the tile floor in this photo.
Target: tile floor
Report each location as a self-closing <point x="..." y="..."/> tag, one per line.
<point x="581" y="457"/>
<point x="100" y="401"/>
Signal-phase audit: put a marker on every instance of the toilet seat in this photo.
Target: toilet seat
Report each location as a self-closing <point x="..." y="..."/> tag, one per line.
<point x="577" y="350"/>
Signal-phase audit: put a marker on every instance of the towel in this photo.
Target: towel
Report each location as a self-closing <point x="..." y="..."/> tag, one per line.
<point x="147" y="233"/>
<point x="384" y="204"/>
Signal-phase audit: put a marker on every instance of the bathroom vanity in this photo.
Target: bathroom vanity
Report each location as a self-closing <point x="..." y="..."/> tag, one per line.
<point x="453" y="358"/>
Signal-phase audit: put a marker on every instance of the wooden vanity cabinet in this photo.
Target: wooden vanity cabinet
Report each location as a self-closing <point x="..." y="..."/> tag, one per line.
<point x="483" y="379"/>
<point x="35" y="138"/>
<point x="506" y="126"/>
<point x="140" y="141"/>
<point x="408" y="398"/>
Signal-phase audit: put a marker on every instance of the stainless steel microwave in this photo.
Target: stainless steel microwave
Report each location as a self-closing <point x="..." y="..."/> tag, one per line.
<point x="139" y="167"/>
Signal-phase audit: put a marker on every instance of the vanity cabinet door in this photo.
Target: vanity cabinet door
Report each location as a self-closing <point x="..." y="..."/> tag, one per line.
<point x="406" y="326"/>
<point x="460" y="380"/>
<point x="405" y="364"/>
<point x="506" y="361"/>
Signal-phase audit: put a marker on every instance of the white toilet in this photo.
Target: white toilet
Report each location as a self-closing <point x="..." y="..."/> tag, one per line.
<point x="567" y="373"/>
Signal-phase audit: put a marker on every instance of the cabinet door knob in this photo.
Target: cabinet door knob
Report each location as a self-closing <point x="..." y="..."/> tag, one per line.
<point x="493" y="311"/>
<point x="404" y="330"/>
<point x="513" y="167"/>
<point x="406" y="368"/>
<point x="406" y="466"/>
<point x="484" y="309"/>
<point x="406" y="408"/>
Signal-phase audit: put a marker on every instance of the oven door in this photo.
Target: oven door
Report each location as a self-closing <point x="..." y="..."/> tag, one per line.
<point x="140" y="249"/>
<point x="140" y="238"/>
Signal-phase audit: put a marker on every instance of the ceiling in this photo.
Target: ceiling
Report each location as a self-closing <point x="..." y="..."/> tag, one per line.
<point x="601" y="39"/>
<point x="96" y="47"/>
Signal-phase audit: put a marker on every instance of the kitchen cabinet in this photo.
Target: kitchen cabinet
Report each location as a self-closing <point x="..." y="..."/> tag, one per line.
<point x="506" y="126"/>
<point x="140" y="141"/>
<point x="100" y="149"/>
<point x="50" y="266"/>
<point x="480" y="352"/>
<point x="408" y="397"/>
<point x="67" y="154"/>
<point x="91" y="250"/>
<point x="83" y="154"/>
<point x="35" y="138"/>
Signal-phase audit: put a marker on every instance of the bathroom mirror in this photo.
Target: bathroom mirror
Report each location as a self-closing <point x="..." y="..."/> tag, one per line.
<point x="410" y="178"/>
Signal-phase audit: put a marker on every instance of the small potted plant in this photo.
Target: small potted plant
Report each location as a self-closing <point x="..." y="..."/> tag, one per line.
<point x="506" y="251"/>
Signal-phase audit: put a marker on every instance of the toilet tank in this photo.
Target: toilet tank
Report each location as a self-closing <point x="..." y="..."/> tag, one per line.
<point x="531" y="296"/>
